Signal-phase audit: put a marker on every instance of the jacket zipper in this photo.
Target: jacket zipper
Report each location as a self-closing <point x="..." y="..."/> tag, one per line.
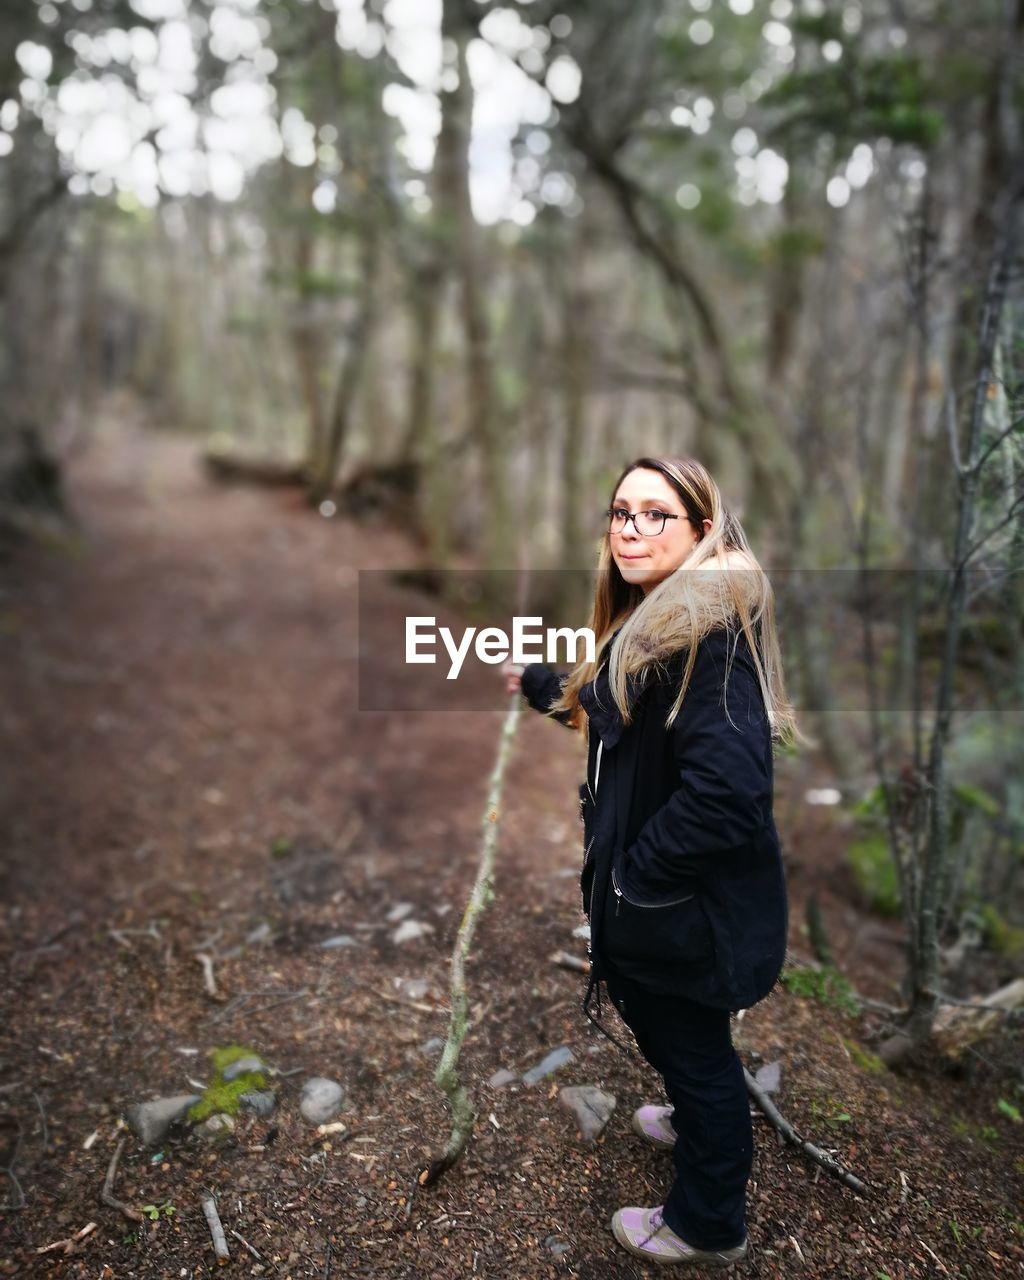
<point x="586" y="856"/>
<point x="646" y="906"/>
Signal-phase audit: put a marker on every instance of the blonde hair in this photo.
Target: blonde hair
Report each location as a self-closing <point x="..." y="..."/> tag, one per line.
<point x="684" y="607"/>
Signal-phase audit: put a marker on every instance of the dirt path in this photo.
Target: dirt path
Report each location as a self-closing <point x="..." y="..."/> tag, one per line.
<point x="186" y="771"/>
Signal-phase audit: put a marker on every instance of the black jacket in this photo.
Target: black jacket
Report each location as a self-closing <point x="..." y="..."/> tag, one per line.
<point x="682" y="878"/>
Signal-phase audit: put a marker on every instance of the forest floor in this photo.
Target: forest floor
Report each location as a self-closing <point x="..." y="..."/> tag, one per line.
<point x="186" y="772"/>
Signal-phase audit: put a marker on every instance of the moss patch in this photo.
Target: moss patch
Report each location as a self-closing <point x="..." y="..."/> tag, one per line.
<point x="875" y="873"/>
<point x="864" y="1059"/>
<point x="224" y="1096"/>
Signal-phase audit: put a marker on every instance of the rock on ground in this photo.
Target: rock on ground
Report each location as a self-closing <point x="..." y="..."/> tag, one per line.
<point x="321" y="1100"/>
<point x="591" y="1106"/>
<point x="151" y="1120"/>
<point x="559" y="1057"/>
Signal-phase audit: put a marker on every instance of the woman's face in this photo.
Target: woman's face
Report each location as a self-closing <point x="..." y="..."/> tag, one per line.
<point x="644" y="560"/>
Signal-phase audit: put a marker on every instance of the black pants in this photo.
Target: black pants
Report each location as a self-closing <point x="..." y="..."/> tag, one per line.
<point x="690" y="1045"/>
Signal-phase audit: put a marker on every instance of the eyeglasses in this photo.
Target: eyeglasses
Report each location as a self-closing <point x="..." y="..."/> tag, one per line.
<point x="648" y="524"/>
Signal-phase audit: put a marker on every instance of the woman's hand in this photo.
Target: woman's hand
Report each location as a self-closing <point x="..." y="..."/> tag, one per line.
<point x="512" y="673"/>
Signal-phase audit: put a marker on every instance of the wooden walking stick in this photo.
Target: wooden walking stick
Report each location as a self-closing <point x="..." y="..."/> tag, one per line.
<point x="447" y="1075"/>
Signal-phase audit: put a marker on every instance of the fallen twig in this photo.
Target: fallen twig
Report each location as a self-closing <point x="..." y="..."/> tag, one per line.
<point x="120" y="936"/>
<point x="42" y="1120"/>
<point x="880" y="1006"/>
<point x="935" y="1257"/>
<point x="66" y="1246"/>
<point x="59" y="932"/>
<point x="565" y="960"/>
<point x="242" y="1240"/>
<point x="963" y="1022"/>
<point x="107" y="1196"/>
<point x="410" y="1197"/>
<point x="412" y="1004"/>
<point x="827" y="1162"/>
<point x="276" y="998"/>
<point x="12" y="1178"/>
<point x="220" y="1244"/>
<point x="208" y="981"/>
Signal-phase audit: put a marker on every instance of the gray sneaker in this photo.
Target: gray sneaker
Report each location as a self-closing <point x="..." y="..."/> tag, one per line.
<point x="654" y="1123"/>
<point x="644" y="1233"/>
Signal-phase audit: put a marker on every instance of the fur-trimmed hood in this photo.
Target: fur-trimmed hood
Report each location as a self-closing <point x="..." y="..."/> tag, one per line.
<point x="675" y="617"/>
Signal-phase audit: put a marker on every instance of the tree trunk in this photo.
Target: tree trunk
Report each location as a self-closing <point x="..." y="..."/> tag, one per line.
<point x="924" y="939"/>
<point x="484" y="420"/>
<point x="423" y="434"/>
<point x="305" y="338"/>
<point x="353" y="361"/>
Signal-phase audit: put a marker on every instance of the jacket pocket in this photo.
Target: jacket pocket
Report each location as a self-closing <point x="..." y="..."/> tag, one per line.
<point x="666" y="930"/>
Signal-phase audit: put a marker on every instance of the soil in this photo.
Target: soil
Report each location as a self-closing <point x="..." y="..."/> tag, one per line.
<point x="187" y="772"/>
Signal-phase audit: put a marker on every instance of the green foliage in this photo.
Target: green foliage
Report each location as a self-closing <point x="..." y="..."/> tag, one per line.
<point x="1005" y="938"/>
<point x="967" y="801"/>
<point x="1009" y="1110"/>
<point x="857" y="99"/>
<point x="716" y="213"/>
<point x="313" y="284"/>
<point x="281" y="848"/>
<point x="986" y="1133"/>
<point x="956" y="1229"/>
<point x="870" y="857"/>
<point x="830" y="1112"/>
<point x="871" y="805"/>
<point x="826" y="985"/>
<point x="791" y="245"/>
<point x="154" y="1211"/>
<point x="821" y="27"/>
<point x="969" y="797"/>
<point x="1009" y="1216"/>
<point x="875" y="872"/>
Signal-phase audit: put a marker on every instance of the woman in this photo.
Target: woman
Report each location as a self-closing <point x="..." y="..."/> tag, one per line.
<point x="682" y="879"/>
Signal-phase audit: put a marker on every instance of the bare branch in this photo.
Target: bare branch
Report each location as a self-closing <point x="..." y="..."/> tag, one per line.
<point x="107" y="1191"/>
<point x="994" y="445"/>
<point x="980" y="542"/>
<point x="220" y="1244"/>
<point x="827" y="1162"/>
